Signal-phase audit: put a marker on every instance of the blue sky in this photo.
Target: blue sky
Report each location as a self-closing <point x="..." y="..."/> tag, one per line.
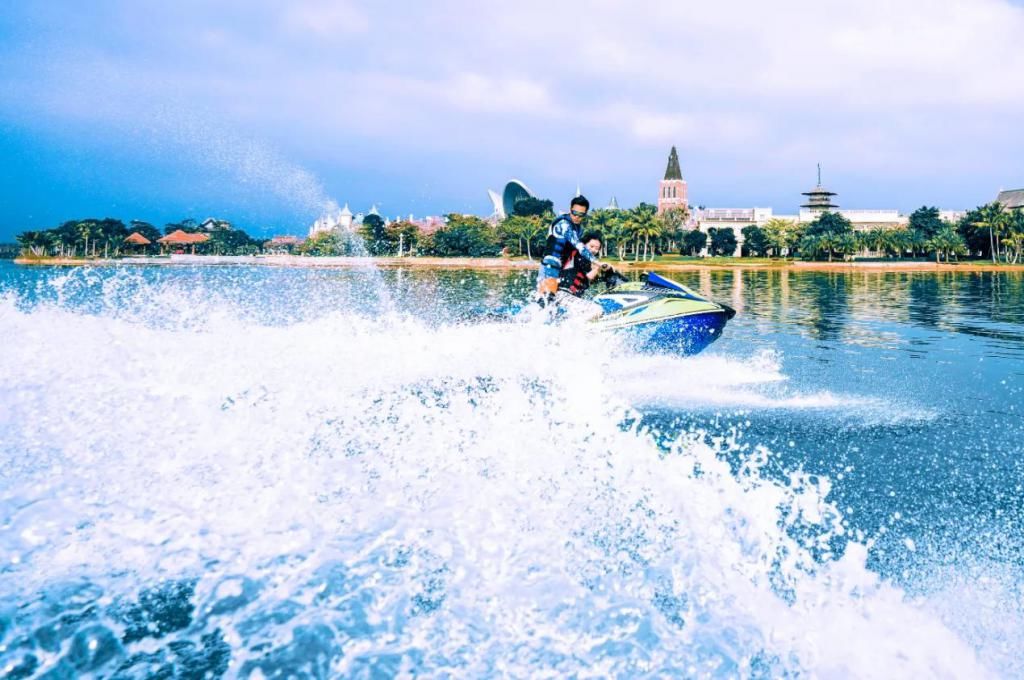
<point x="265" y="112"/>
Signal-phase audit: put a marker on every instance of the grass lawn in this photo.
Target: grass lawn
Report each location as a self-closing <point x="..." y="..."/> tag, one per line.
<point x="687" y="259"/>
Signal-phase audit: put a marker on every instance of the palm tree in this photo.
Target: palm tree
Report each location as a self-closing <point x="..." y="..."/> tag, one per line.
<point x="898" y="241"/>
<point x="521" y="229"/>
<point x="781" y="234"/>
<point x="946" y="241"/>
<point x="847" y="244"/>
<point x="915" y="241"/>
<point x="85" y="231"/>
<point x="810" y="244"/>
<point x="830" y="242"/>
<point x="643" y="223"/>
<point x="54" y="242"/>
<point x="1013" y="224"/>
<point x="610" y="222"/>
<point x="827" y="242"/>
<point x="603" y="220"/>
<point x="1015" y="227"/>
<point x="674" y="221"/>
<point x="32" y="242"/>
<point x="877" y="239"/>
<point x="1016" y="242"/>
<point x="992" y="217"/>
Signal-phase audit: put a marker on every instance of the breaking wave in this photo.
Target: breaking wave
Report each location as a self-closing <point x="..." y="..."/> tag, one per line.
<point x="193" y="486"/>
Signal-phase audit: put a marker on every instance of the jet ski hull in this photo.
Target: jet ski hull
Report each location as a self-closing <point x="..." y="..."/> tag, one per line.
<point x="688" y="334"/>
<point x="659" y="315"/>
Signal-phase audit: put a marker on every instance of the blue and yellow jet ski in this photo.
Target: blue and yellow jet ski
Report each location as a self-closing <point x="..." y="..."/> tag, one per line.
<point x="661" y="315"/>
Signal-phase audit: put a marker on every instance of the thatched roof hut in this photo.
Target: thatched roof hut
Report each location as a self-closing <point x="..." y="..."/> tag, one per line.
<point x="181" y="238"/>
<point x="137" y="239"/>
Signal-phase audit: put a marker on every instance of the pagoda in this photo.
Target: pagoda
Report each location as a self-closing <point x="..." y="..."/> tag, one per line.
<point x="819" y="199"/>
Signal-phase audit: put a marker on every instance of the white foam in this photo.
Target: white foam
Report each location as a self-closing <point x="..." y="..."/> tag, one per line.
<point x="475" y="494"/>
<point x="717" y="381"/>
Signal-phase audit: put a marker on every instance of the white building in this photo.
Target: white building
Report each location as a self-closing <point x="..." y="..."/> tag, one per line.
<point x="331" y="222"/>
<point x="737" y="218"/>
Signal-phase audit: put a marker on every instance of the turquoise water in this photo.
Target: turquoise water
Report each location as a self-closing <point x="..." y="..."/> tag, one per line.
<point x="259" y="471"/>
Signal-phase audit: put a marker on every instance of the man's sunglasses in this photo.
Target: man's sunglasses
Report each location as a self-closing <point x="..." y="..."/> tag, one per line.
<point x="579" y="213"/>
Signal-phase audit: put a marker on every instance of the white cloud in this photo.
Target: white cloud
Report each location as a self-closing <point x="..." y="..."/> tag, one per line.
<point x="325" y="19"/>
<point x="546" y="88"/>
<point x="739" y="51"/>
<point x="474" y="92"/>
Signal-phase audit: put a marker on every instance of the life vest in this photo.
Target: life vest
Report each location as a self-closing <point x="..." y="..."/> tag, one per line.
<point x="574" y="275"/>
<point x="557" y="249"/>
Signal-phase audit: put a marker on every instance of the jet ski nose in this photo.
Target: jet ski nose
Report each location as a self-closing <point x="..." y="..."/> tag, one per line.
<point x="729" y="311"/>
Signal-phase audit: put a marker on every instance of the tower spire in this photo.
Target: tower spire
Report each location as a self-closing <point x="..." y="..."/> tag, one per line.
<point x="819" y="173"/>
<point x="672" y="189"/>
<point x="673" y="171"/>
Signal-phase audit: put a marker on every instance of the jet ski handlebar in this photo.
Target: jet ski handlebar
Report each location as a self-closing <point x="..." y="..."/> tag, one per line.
<point x="610" y="276"/>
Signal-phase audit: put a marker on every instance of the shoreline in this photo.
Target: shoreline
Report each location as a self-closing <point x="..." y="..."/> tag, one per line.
<point x="500" y="263"/>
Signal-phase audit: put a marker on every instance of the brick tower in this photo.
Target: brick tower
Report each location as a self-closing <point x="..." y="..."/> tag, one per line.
<point x="672" y="189"/>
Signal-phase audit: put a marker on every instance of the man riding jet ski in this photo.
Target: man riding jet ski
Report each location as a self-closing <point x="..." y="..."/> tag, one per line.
<point x="657" y="314"/>
<point x="563" y="240"/>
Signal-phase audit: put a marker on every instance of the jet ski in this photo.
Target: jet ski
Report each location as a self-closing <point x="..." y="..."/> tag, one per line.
<point x="655" y="314"/>
<point x="659" y="315"/>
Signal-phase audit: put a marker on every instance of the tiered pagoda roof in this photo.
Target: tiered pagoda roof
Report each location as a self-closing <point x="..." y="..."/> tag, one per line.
<point x="819" y="198"/>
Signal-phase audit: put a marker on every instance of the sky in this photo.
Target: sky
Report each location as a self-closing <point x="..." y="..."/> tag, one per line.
<point x="268" y="113"/>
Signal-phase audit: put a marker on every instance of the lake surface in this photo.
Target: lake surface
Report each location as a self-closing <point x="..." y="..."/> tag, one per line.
<point x="258" y="471"/>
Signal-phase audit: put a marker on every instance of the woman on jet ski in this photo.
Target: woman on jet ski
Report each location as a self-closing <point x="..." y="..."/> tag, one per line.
<point x="578" y="272"/>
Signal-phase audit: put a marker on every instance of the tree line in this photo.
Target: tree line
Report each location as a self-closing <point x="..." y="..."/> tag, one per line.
<point x="989" y="232"/>
<point x="639" y="233"/>
<point x="92" y="237"/>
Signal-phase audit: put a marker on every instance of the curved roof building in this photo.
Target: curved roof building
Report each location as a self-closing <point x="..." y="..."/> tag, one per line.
<point x="514" y="191"/>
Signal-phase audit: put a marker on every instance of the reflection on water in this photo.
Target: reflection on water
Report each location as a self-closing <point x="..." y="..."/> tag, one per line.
<point x="824" y="304"/>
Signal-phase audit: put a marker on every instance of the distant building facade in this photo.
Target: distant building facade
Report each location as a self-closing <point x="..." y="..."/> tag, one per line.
<point x="817" y="201"/>
<point x="213" y="224"/>
<point x="735" y="219"/>
<point x="281" y="245"/>
<point x="332" y="221"/>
